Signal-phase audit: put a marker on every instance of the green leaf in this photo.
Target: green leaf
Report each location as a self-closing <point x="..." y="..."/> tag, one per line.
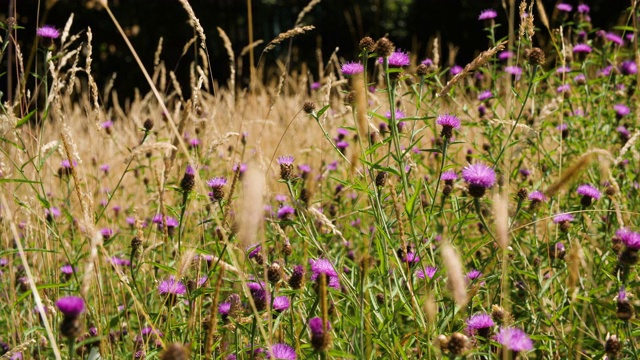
<point x="19" y="181"/>
<point x="323" y="110"/>
<point x="162" y="267"/>
<point x="412" y="200"/>
<point x="25" y="119"/>
<point x="434" y="150"/>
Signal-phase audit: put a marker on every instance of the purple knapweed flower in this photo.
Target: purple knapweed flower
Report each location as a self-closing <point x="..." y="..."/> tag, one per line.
<point x="107" y="233"/>
<point x="48" y="32"/>
<point x="315" y="85"/>
<point x="505" y="55"/>
<point x="322" y="267"/>
<point x="606" y="71"/>
<point x="514" y="339"/>
<point x="589" y="194"/>
<point x="117" y="261"/>
<point x="630" y="239"/>
<point x="52" y="213"/>
<point x="580" y="79"/>
<point x="282" y="352"/>
<point x="563" y="218"/>
<point x="479" y="177"/>
<point x="70" y="306"/>
<point x="449" y="176"/>
<point x="516" y="71"/>
<point x="629" y="67"/>
<point x="455" y="70"/>
<point x="286" y="212"/>
<point x="281" y="303"/>
<point x="397" y="59"/>
<point x="427" y="62"/>
<point x="614" y="38"/>
<point x="563" y="88"/>
<point x="537" y="196"/>
<point x="399" y="115"/>
<point x="564" y="7"/>
<point x="67" y="269"/>
<point x="240" y="167"/>
<point x="479" y="323"/>
<point x="172" y="286"/>
<point x="621" y="110"/>
<point x="107" y="125"/>
<point x="474" y="274"/>
<point x="285" y="160"/>
<point x="582" y="49"/>
<point x="429" y="272"/>
<point x="448" y="123"/>
<point x="224" y="308"/>
<point x="584" y="9"/>
<point x="352" y="68"/>
<point x="485" y="95"/>
<point x="488" y="14"/>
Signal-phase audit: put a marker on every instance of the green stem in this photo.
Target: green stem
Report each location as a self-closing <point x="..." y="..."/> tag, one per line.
<point x="72" y="346"/>
<point x="515" y="124"/>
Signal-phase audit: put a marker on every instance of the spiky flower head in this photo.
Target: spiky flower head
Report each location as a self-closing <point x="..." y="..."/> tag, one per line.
<point x="584" y="9"/>
<point x="70" y="306"/>
<point x="488" y="14"/>
<point x="366" y="44"/>
<point x="296" y="279"/>
<point x="397" y="59"/>
<point x="630" y="239"/>
<point x="286" y="166"/>
<point x="485" y="95"/>
<point x="514" y="339"/>
<point x="582" y="49"/>
<point x="480" y="324"/>
<point x="384" y="47"/>
<point x="479" y="177"/>
<point x="429" y="272"/>
<point x="352" y="68"/>
<point x="589" y="194"/>
<point x="282" y="352"/>
<point x="48" y="32"/>
<point x="216" y="184"/>
<point x="172" y="286"/>
<point x="564" y="7"/>
<point x="629" y="67"/>
<point x="320" y="339"/>
<point x="448" y="123"/>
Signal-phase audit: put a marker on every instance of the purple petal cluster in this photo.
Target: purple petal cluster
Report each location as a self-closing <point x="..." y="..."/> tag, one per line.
<point x="589" y="191"/>
<point x="282" y="352"/>
<point x="488" y="14"/>
<point x="479" y="174"/>
<point x="629" y="67"/>
<point x="429" y="272"/>
<point x="397" y="59"/>
<point x="479" y="321"/>
<point x="537" y="196"/>
<point x="70" y="306"/>
<point x="285" y="160"/>
<point x="582" y="49"/>
<point x="564" y="7"/>
<point x="630" y="239"/>
<point x="485" y="95"/>
<point x="48" y="32"/>
<point x="352" y="68"/>
<point x="172" y="286"/>
<point x="564" y="217"/>
<point x="281" y="303"/>
<point x="514" y="339"/>
<point x="449" y="121"/>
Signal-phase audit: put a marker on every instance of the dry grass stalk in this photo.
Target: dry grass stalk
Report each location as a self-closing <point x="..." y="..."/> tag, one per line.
<point x="92" y="83"/>
<point x="436" y="51"/>
<point x="582" y="162"/>
<point x="89" y="266"/>
<point x="287" y="35"/>
<point x="220" y="141"/>
<point x="307" y="9"/>
<point x="185" y="262"/>
<point x="629" y="145"/>
<point x="471" y="67"/>
<point x="252" y="205"/>
<point x="455" y="274"/>
<point x="501" y="216"/>
<point x="143" y="149"/>
<point x="543" y="17"/>
<point x="176" y="85"/>
<point x="194" y="22"/>
<point x="65" y="31"/>
<point x="7" y="215"/>
<point x="358" y="85"/>
<point x="156" y="55"/>
<point x="247" y="48"/>
<point x="213" y="317"/>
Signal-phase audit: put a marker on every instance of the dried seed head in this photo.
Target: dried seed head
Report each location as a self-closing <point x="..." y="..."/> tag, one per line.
<point x="522" y="194"/>
<point x="536" y="56"/>
<point x="296" y="281"/>
<point x="381" y="178"/>
<point x="175" y="352"/>
<point x="274" y="273"/>
<point x="612" y="346"/>
<point x="422" y="70"/>
<point x="71" y="327"/>
<point x="458" y="344"/>
<point x="384" y="47"/>
<point x="309" y="107"/>
<point x="148" y="125"/>
<point x="367" y="44"/>
<point x="350" y="98"/>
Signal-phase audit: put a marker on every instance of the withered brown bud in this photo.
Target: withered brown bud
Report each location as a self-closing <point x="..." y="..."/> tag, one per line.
<point x="384" y="47"/>
<point x="367" y="44"/>
<point x="536" y="56"/>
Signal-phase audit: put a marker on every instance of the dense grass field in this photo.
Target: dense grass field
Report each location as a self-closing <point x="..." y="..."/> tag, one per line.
<point x="388" y="206"/>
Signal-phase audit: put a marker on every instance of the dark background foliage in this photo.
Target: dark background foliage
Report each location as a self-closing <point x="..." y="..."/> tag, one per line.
<point x="339" y="23"/>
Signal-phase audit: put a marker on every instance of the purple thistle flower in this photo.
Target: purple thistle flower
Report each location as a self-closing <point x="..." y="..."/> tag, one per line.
<point x="480" y="323"/>
<point x="563" y="88"/>
<point x="487" y="94"/>
<point x="217" y="182"/>
<point x="224" y="308"/>
<point x="304" y="168"/>
<point x="255" y="251"/>
<point x="315" y="325"/>
<point x="583" y="9"/>
<point x="397" y="59"/>
<point x="285" y="160"/>
<point x="116" y="261"/>
<point x="621" y="110"/>
<point x="286" y="212"/>
<point x="52" y="212"/>
<point x="514" y="339"/>
<point x="505" y="55"/>
<point x="629" y="238"/>
<point x="342" y="145"/>
<point x="564" y="7"/>
<point x="70" y="306"/>
<point x="562" y="127"/>
<point x="352" y="68"/>
<point x="580" y="79"/>
<point x="449" y="175"/>
<point x="315" y="85"/>
<point x="479" y="177"/>
<point x="106" y="233"/>
<point x="48" y="32"/>
<point x="589" y="191"/>
<point x="281" y="303"/>
<point x="411" y="258"/>
<point x="514" y="70"/>
<point x="455" y="70"/>
<point x="614" y="38"/>
<point x="399" y="115"/>
<point x="322" y="266"/>
<point x="622" y="294"/>
<point x="190" y="170"/>
<point x="563" y="218"/>
<point x="429" y="272"/>
<point x="242" y="167"/>
<point x="624" y="132"/>
<point x="148" y="330"/>
<point x="538" y="196"/>
<point x="448" y="121"/>
<point x="474" y="274"/>
<point x="172" y="287"/>
<point x="582" y="49"/>
<point x="488" y="14"/>
<point x="282" y="352"/>
<point x="67" y="269"/>
<point x="629" y="67"/>
<point x="427" y="62"/>
<point x="606" y="71"/>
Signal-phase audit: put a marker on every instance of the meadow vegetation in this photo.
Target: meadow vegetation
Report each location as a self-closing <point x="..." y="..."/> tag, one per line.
<point x="385" y="206"/>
